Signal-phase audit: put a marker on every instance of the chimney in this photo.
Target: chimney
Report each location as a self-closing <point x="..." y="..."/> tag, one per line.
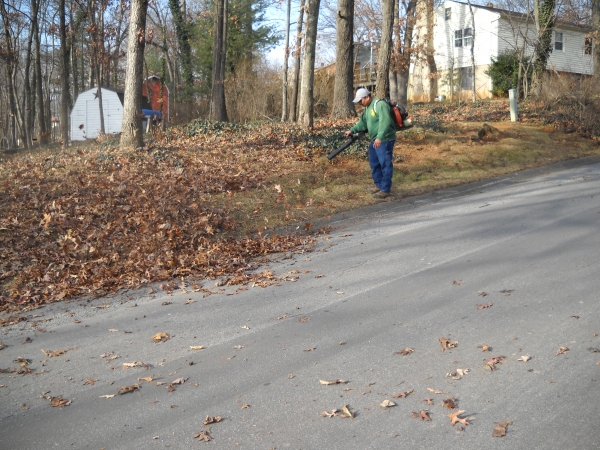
<point x="490" y="5"/>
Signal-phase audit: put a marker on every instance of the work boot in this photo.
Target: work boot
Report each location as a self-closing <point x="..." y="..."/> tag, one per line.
<point x="381" y="195"/>
<point x="373" y="190"/>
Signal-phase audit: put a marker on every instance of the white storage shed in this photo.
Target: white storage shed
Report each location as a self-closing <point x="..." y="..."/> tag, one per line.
<point x="85" y="116"/>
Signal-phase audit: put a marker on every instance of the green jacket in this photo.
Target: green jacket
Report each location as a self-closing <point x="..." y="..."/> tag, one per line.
<point x="379" y="123"/>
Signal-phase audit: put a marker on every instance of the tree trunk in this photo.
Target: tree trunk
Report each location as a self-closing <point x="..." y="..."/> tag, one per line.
<point x="544" y="15"/>
<point x="286" y="57"/>
<point x="344" y="62"/>
<point x="404" y="63"/>
<point x="298" y="58"/>
<point x="306" y="114"/>
<point x="132" y="134"/>
<point x="39" y="93"/>
<point x="474" y="84"/>
<point x="430" y="50"/>
<point x="218" y="105"/>
<point x="182" y="30"/>
<point x="385" y="48"/>
<point x="596" y="39"/>
<point x="64" y="77"/>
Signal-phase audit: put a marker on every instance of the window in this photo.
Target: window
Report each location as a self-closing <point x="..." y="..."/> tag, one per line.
<point x="468" y="37"/>
<point x="558" y="41"/>
<point x="458" y="38"/>
<point x="448" y="13"/>
<point x="466" y="78"/>
<point x="587" y="46"/>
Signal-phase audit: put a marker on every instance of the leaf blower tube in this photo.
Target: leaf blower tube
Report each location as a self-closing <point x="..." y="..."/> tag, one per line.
<point x="345" y="145"/>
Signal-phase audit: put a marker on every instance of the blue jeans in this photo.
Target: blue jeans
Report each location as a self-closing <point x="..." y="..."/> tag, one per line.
<point x="381" y="161"/>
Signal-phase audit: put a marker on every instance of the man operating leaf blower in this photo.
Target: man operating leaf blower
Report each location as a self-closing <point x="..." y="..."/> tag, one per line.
<point x="377" y="120"/>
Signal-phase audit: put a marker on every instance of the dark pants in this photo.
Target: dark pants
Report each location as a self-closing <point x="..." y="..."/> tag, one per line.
<point x="381" y="161"/>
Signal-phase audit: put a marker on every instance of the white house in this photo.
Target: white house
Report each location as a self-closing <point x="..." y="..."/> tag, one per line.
<point x="492" y="32"/>
<point x="85" y="116"/>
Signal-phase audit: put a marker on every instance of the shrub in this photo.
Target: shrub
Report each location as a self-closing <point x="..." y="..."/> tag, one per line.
<point x="504" y="72"/>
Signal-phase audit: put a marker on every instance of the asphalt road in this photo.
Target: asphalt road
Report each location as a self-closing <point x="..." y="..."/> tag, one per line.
<point x="400" y="275"/>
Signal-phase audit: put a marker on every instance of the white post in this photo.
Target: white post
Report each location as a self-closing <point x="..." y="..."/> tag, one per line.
<point x="512" y="98"/>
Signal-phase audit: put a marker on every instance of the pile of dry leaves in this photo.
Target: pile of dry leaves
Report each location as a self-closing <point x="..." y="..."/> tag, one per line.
<point x="95" y="219"/>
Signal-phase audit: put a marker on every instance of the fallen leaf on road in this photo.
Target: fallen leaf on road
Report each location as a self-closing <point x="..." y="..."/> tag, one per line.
<point x="462" y="372"/>
<point x="2" y="346"/>
<point x="197" y="347"/>
<point x="106" y="354"/>
<point x="346" y="413"/>
<point x="147" y="379"/>
<point x="245" y="327"/>
<point x="160" y="383"/>
<point x="575" y="317"/>
<point x="91" y="382"/>
<point x="454" y="375"/>
<point x="490" y="363"/>
<point x="127" y="389"/>
<point x="506" y="292"/>
<point x="238" y="347"/>
<point x="421" y="415"/>
<point x="524" y="358"/>
<point x="402" y="394"/>
<point x="336" y="381"/>
<point x="113" y="330"/>
<point x="160" y="337"/>
<point x="303" y="319"/>
<point x="203" y="435"/>
<point x="485" y="348"/>
<point x="562" y="350"/>
<point x="594" y="350"/>
<point x="487" y="305"/>
<point x="24" y="406"/>
<point x="188" y="301"/>
<point x="405" y="352"/>
<point x="156" y="437"/>
<point x="333" y="413"/>
<point x="447" y="344"/>
<point x="108" y="396"/>
<point x="22" y="361"/>
<point x="210" y="420"/>
<point x="449" y="403"/>
<point x="457" y="282"/>
<point x="500" y="428"/>
<point x="435" y="391"/>
<point x="245" y="406"/>
<point x="179" y="381"/>
<point x="166" y="303"/>
<point x="482" y="293"/>
<point x="59" y="401"/>
<point x="454" y="417"/>
<point x="135" y="364"/>
<point x="51" y="353"/>
<point x="27" y="340"/>
<point x="310" y="349"/>
<point x="429" y="401"/>
<point x="387" y="404"/>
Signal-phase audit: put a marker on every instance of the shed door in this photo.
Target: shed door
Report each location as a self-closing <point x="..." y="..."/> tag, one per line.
<point x="93" y="117"/>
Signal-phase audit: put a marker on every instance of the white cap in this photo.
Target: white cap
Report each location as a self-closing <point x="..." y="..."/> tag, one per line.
<point x="360" y="94"/>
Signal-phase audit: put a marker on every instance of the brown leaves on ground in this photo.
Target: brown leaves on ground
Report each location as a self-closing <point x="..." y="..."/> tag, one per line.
<point x="128" y="389"/>
<point x="447" y="344"/>
<point x="387" y="404"/>
<point x="436" y="391"/>
<point x="210" y="420"/>
<point x="51" y="353"/>
<point x="57" y="401"/>
<point x="405" y="352"/>
<point x="449" y="403"/>
<point x="562" y="350"/>
<point x="455" y="417"/>
<point x="106" y="218"/>
<point x="204" y="435"/>
<point x="344" y="413"/>
<point x="330" y="382"/>
<point x="487" y="305"/>
<point x="484" y="348"/>
<point x="403" y="394"/>
<point x="490" y="363"/>
<point x="135" y="364"/>
<point x="524" y="358"/>
<point x="500" y="428"/>
<point x="160" y="337"/>
<point x="429" y="401"/>
<point x="421" y="415"/>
